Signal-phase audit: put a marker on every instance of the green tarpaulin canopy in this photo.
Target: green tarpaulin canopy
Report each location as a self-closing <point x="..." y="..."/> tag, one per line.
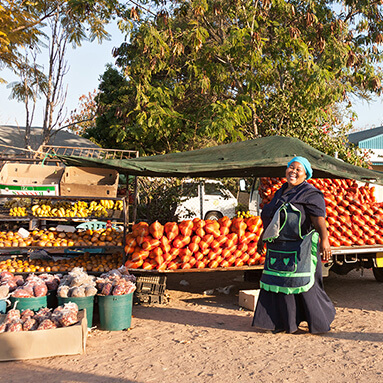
<point x="262" y="157"/>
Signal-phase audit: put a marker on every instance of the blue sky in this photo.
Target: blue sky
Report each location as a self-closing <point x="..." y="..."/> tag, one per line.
<point x="86" y="65"/>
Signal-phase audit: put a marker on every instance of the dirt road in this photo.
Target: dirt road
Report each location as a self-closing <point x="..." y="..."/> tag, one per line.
<point x="201" y="339"/>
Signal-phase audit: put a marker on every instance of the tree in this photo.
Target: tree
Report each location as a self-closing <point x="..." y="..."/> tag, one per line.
<point x="24" y="26"/>
<point x="113" y="92"/>
<point x="83" y="117"/>
<point x="27" y="90"/>
<point x="227" y="71"/>
<point x="22" y="23"/>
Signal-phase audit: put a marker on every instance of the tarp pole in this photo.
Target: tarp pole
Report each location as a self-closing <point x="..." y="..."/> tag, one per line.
<point x="135" y="189"/>
<point x="201" y="189"/>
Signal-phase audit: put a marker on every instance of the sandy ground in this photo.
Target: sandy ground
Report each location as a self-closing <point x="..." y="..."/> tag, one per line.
<point x="199" y="338"/>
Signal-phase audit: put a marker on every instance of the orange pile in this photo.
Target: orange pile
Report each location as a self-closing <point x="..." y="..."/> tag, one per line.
<point x="353" y="215"/>
<point x="90" y="262"/>
<point x="53" y="238"/>
<point x="194" y="244"/>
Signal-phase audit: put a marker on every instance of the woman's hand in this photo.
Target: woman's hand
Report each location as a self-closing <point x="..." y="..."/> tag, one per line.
<point x="325" y="249"/>
<point x="324" y="246"/>
<point x="260" y="245"/>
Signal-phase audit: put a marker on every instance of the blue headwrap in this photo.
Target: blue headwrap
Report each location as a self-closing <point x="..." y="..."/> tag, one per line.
<point x="305" y="163"/>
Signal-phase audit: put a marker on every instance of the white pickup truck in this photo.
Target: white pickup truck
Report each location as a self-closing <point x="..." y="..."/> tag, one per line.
<point x="206" y="199"/>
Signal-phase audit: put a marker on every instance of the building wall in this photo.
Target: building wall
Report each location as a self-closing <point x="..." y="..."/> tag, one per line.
<point x="372" y="143"/>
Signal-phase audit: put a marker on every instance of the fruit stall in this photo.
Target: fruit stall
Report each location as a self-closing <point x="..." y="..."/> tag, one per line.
<point x="354" y="218"/>
<point x="49" y="223"/>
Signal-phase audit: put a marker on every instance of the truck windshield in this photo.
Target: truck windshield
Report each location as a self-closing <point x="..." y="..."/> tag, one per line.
<point x="213" y="189"/>
<point x="190" y="190"/>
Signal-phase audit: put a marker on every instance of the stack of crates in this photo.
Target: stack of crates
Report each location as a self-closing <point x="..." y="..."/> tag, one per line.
<point x="150" y="289"/>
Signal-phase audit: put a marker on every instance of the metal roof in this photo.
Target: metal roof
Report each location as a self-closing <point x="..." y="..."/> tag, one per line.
<point x="357" y="137"/>
<point x="12" y="137"/>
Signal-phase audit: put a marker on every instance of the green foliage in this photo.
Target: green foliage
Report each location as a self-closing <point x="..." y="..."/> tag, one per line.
<point x="207" y="72"/>
<point x="22" y="23"/>
<point x="159" y="199"/>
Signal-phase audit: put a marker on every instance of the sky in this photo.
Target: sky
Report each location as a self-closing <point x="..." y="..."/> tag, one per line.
<point x="88" y="62"/>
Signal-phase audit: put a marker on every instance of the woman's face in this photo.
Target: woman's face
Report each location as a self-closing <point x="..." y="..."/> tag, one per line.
<point x="295" y="174"/>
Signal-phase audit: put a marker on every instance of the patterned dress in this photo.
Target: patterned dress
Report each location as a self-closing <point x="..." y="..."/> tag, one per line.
<point x="284" y="312"/>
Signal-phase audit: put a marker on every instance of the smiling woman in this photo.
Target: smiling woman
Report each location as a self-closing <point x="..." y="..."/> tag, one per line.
<point x="297" y="239"/>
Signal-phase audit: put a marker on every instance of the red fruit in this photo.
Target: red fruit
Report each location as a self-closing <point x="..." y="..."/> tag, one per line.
<point x="199" y="256"/>
<point x="181" y="241"/>
<point x="224" y="263"/>
<point x="193" y="247"/>
<point x="192" y="261"/>
<point x="150" y="243"/>
<point x="186" y="228"/>
<point x="203" y="245"/>
<point x="174" y="252"/>
<point x="200" y="265"/>
<point x="165" y="244"/>
<point x="147" y="266"/>
<point x="198" y="223"/>
<point x="156" y="230"/>
<point x="224" y="230"/>
<point x="140" y="229"/>
<point x="224" y="222"/>
<point x="200" y="232"/>
<point x="196" y="239"/>
<point x="213" y="264"/>
<point x="171" y="230"/>
<point x="172" y="266"/>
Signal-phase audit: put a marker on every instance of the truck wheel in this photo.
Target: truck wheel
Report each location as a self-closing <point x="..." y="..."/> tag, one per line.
<point x="378" y="273"/>
<point x="215" y="215"/>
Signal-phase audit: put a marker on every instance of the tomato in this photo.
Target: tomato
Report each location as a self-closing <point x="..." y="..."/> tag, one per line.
<point x="331" y="220"/>
<point x="197" y="223"/>
<point x="193" y="247"/>
<point x="174" y="251"/>
<point x="243" y="247"/>
<point x="226" y="253"/>
<point x="224" y="263"/>
<point x="203" y="245"/>
<point x="192" y="261"/>
<point x="238" y="262"/>
<point x="224" y="222"/>
<point x="172" y="266"/>
<point x="213" y="264"/>
<point x="200" y="265"/>
<point x="334" y="242"/>
<point x="186" y="227"/>
<point x="199" y="256"/>
<point x="224" y="230"/>
<point x="147" y="266"/>
<point x="208" y="238"/>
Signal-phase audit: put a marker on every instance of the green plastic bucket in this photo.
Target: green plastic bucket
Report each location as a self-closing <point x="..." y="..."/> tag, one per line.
<point x="35" y="303"/>
<point x="82" y="303"/>
<point x="115" y="311"/>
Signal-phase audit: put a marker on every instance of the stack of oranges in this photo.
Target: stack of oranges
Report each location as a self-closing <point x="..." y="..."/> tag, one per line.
<point x="54" y="238"/>
<point x="97" y="263"/>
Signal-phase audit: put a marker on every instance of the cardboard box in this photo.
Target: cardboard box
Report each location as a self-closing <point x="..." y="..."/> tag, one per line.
<point x="248" y="298"/>
<point x="30" y="179"/>
<point x="44" y="343"/>
<point x="89" y="182"/>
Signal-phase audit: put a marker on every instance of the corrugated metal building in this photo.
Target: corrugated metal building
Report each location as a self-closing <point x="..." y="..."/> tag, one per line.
<point x="370" y="139"/>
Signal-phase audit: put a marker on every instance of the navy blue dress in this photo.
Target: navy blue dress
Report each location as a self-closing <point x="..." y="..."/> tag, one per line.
<point x="284" y="312"/>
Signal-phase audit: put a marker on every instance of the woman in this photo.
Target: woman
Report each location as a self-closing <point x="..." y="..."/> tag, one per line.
<point x="291" y="284"/>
